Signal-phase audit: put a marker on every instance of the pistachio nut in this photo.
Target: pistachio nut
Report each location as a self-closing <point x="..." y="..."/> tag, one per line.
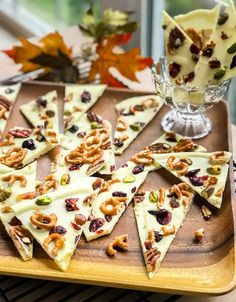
<point x="5" y="194"/>
<point x="232" y="48"/>
<point x="220" y="73"/>
<point x="129" y="179"/>
<point x="153" y="197"/>
<point x="214" y="170"/>
<point x="65" y="179"/>
<point x="135" y="127"/>
<point x="43" y="201"/>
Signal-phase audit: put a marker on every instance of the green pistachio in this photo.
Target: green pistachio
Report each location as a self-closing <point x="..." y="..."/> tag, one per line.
<point x="223" y="17"/>
<point x="153" y="197"/>
<point x="129" y="179"/>
<point x="67" y="113"/>
<point x="5" y="194"/>
<point x="50" y="113"/>
<point x="65" y="179"/>
<point x="220" y="73"/>
<point x="214" y="170"/>
<point x="232" y="48"/>
<point x="95" y="125"/>
<point x="135" y="127"/>
<point x="43" y="201"/>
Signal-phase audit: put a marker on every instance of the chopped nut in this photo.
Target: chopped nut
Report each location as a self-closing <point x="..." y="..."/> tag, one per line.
<point x="206" y="212"/>
<point x="120" y="242"/>
<point x="199" y="234"/>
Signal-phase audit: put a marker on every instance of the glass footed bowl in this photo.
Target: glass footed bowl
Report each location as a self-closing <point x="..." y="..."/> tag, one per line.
<point x="187" y="103"/>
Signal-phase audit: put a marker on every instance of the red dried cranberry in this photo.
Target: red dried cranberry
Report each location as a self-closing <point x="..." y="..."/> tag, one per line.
<point x="75" y="167"/>
<point x="15" y="221"/>
<point x="176" y="39"/>
<point x="174" y="203"/>
<point x="75" y="226"/>
<point x="71" y="204"/>
<point x="224" y="36"/>
<point x="190" y="77"/>
<point x="194" y="49"/>
<point x="214" y="63"/>
<point x="29" y="144"/>
<point x="81" y="134"/>
<point x="163" y="216"/>
<point x="207" y="51"/>
<point x="85" y="97"/>
<point x="138" y="169"/>
<point x="233" y="63"/>
<point x="148" y="245"/>
<point x="174" y="69"/>
<point x="133" y="190"/>
<point x="96" y="224"/>
<point x="58" y="229"/>
<point x="108" y="218"/>
<point x="97" y="183"/>
<point x="118" y="143"/>
<point x="40" y="101"/>
<point x="192" y="173"/>
<point x="158" y="236"/>
<point x="198" y="180"/>
<point x="73" y="129"/>
<point x="93" y="117"/>
<point x="119" y="194"/>
<point x="21" y="133"/>
<point x="112" y="168"/>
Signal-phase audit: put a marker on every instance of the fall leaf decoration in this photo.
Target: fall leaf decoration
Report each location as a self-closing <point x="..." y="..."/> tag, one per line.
<point x="127" y="63"/>
<point x="51" y="54"/>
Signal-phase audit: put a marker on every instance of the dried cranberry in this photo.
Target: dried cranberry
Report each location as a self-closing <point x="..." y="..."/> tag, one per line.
<point x="158" y="236"/>
<point x="108" y="218"/>
<point x="29" y="144"/>
<point x="124" y="165"/>
<point x="71" y="204"/>
<point x="174" y="203"/>
<point x="233" y="63"/>
<point x="197" y="180"/>
<point x="81" y="134"/>
<point x="133" y="190"/>
<point x="118" y="143"/>
<point x="138" y="107"/>
<point x="97" y="183"/>
<point x="96" y="224"/>
<point x="192" y="173"/>
<point x="75" y="167"/>
<point x="58" y="229"/>
<point x="80" y="219"/>
<point x="21" y="133"/>
<point x="207" y="52"/>
<point x="85" y="97"/>
<point x="224" y="36"/>
<point x="174" y="69"/>
<point x="163" y="216"/>
<point x="194" y="49"/>
<point x="15" y="221"/>
<point x="40" y="101"/>
<point x="139" y="197"/>
<point x="148" y="245"/>
<point x="119" y="194"/>
<point x="93" y="117"/>
<point x="195" y="58"/>
<point x="138" y="169"/>
<point x="176" y="39"/>
<point x="112" y="168"/>
<point x="73" y="129"/>
<point x="75" y="226"/>
<point x="190" y="77"/>
<point x="214" y="63"/>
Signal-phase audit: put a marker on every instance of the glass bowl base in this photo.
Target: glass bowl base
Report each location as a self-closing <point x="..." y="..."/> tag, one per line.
<point x="191" y="126"/>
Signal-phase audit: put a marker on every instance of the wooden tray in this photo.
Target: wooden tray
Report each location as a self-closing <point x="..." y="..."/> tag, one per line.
<point x="189" y="267"/>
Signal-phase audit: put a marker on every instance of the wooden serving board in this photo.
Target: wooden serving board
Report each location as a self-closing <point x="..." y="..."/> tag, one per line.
<point x="189" y="268"/>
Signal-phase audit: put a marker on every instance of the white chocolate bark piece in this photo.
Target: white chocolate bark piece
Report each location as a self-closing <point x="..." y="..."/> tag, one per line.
<point x="205" y="172"/>
<point x="111" y="204"/>
<point x="134" y="114"/>
<point x="156" y="232"/>
<point x="90" y="121"/>
<point x="28" y="144"/>
<point x="201" y="22"/>
<point x="79" y="99"/>
<point x="218" y="59"/>
<point x="67" y="210"/>
<point x="43" y="112"/>
<point x="15" y="184"/>
<point x="178" y="47"/>
<point x="166" y="143"/>
<point x="8" y="95"/>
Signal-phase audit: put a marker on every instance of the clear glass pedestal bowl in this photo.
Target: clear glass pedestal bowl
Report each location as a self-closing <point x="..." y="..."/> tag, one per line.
<point x="188" y="103"/>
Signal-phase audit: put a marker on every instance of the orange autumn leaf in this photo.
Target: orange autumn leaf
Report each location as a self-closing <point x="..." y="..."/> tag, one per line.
<point x="52" y="43"/>
<point x="127" y="63"/>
